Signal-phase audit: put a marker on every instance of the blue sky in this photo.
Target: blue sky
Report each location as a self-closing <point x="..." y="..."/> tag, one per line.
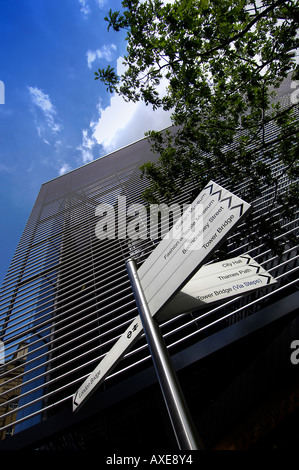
<point x="54" y="116"/>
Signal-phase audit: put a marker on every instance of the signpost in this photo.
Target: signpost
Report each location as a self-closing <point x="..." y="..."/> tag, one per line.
<point x="215" y="282"/>
<point x="181" y="421"/>
<point x="176" y="258"/>
<point x="108" y="363"/>
<point x="186" y="247"/>
<point x="201" y="229"/>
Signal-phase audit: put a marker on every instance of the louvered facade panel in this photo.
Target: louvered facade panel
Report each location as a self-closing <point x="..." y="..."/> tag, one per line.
<point x="66" y="298"/>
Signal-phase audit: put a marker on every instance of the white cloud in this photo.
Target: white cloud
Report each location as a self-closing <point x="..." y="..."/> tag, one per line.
<point x="8" y="169"/>
<point x="101" y="3"/>
<point x="122" y="122"/>
<point x="86" y="148"/>
<point x="113" y="120"/>
<point x="42" y="102"/>
<point x="40" y="99"/>
<point x="64" y="169"/>
<point x="84" y="7"/>
<point x="105" y="52"/>
<point x="87" y="155"/>
<point x="86" y="140"/>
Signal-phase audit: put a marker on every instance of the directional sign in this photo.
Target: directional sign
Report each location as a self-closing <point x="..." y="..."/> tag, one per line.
<point x="194" y="237"/>
<point x="215" y="282"/>
<point x="122" y="345"/>
<point x="177" y="258"/>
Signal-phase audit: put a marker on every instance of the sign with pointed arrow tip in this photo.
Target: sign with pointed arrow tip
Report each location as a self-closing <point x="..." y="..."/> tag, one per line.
<point x="176" y="258"/>
<point x="216" y="282"/>
<point x="203" y="226"/>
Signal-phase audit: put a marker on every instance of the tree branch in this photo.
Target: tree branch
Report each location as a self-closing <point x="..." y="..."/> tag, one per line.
<point x="245" y="30"/>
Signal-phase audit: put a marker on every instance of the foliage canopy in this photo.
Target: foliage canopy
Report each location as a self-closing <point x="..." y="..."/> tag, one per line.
<point x="222" y="61"/>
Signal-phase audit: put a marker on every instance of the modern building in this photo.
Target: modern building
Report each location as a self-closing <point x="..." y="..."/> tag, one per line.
<point x="67" y="299"/>
<point x="10" y="381"/>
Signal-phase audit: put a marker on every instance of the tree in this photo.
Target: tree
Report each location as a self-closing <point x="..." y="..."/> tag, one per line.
<point x="223" y="61"/>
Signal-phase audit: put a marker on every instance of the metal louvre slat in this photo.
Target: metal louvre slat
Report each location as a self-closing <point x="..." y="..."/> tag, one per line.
<point x="132" y="365"/>
<point x="67" y="398"/>
<point x="67" y="299"/>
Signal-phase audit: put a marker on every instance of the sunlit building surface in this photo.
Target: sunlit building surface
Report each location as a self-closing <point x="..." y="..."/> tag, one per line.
<point x="67" y="298"/>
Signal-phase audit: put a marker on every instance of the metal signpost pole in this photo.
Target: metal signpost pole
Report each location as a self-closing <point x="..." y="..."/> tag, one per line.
<point x="170" y="266"/>
<point x="181" y="421"/>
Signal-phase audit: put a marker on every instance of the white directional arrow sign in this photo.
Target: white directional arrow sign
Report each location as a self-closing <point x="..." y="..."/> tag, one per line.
<point x="215" y="282"/>
<point x="213" y="214"/>
<point x="188" y="245"/>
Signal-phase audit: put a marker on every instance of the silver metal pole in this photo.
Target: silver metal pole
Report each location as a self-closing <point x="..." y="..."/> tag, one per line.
<point x="179" y="415"/>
